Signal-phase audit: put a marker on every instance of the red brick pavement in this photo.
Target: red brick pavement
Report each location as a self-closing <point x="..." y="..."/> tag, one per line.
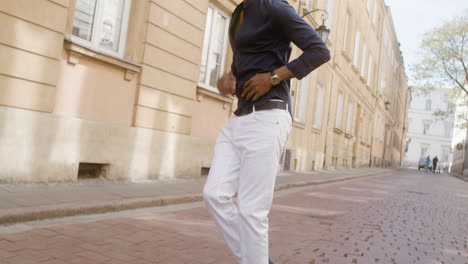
<point x="407" y="217"/>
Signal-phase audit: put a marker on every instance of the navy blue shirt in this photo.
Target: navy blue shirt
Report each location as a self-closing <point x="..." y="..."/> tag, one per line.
<point x="262" y="44"/>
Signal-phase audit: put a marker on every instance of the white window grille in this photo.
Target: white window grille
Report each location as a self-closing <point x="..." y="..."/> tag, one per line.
<point x="330" y="5"/>
<point x="339" y="110"/>
<point x="363" y="59"/>
<point x="356" y="48"/>
<point x="319" y="102"/>
<point x="426" y="127"/>
<point x="428" y="104"/>
<point x="349" y="121"/>
<point x="101" y="25"/>
<point x="214" y="48"/>
<point x="300" y="109"/>
<point x="369" y="71"/>
<point x="346" y="29"/>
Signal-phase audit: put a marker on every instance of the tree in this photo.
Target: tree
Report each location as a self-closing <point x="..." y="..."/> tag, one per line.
<point x="444" y="62"/>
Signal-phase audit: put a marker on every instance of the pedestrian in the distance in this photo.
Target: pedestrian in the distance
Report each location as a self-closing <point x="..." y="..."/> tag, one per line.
<point x="435" y="160"/>
<point x="428" y="163"/>
<point x="249" y="146"/>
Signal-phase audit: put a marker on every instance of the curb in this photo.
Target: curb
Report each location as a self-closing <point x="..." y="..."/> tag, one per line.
<point x="14" y="216"/>
<point x="463" y="178"/>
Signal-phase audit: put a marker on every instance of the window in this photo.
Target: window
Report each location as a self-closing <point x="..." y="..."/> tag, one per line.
<point x="448" y="130"/>
<point x="309" y="5"/>
<point x="214" y="48"/>
<point x="346" y="29"/>
<point x="428" y="104"/>
<point x="339" y="111"/>
<point x="369" y="71"/>
<point x="364" y="127"/>
<point x="449" y="108"/>
<point x="369" y="6"/>
<point x="363" y="59"/>
<point x="318" y="111"/>
<point x="375" y="16"/>
<point x="369" y="132"/>
<point x="300" y="109"/>
<point x="424" y="148"/>
<point x="349" y="121"/>
<point x="389" y="136"/>
<point x="328" y="22"/>
<point x="382" y="83"/>
<point x="102" y="25"/>
<point x="426" y="126"/>
<point x="356" y="48"/>
<point x="382" y="130"/>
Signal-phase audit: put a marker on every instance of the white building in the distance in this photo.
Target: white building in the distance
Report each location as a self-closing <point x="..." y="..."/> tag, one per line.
<point x="428" y="135"/>
<point x="459" y="163"/>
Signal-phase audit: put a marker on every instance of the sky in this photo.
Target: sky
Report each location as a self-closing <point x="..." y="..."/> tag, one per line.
<point x="412" y="18"/>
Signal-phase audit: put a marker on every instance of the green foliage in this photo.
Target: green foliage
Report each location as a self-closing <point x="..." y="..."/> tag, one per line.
<point x="444" y="57"/>
<point x="444" y="63"/>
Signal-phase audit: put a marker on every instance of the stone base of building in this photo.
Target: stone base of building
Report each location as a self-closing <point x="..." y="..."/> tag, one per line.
<point x="39" y="147"/>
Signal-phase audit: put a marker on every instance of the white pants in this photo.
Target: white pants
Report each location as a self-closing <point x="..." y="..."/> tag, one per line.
<point x="245" y="162"/>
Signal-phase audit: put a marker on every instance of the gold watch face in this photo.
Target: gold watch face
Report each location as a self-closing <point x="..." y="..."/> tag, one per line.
<point x="275" y="80"/>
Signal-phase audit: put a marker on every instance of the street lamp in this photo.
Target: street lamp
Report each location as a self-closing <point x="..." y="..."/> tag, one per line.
<point x="387" y="105"/>
<point x="322" y="30"/>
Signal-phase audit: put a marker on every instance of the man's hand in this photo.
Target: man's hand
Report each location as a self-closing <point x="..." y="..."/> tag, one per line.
<point x="257" y="86"/>
<point x="227" y="84"/>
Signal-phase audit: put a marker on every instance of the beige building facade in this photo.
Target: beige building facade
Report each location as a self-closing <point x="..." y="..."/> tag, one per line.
<point x="125" y="89"/>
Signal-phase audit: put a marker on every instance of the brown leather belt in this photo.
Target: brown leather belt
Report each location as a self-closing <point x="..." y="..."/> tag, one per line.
<point x="266" y="106"/>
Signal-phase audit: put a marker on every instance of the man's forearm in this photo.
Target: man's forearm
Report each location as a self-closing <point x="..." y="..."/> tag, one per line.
<point x="284" y="73"/>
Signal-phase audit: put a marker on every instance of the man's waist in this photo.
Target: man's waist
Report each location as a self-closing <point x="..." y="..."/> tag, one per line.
<point x="271" y="104"/>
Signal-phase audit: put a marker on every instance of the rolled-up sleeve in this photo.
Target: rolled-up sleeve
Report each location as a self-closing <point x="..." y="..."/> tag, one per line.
<point x="293" y="27"/>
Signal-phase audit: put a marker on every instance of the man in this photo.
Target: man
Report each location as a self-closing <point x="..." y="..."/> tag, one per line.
<point x="435" y="160"/>
<point x="249" y="146"/>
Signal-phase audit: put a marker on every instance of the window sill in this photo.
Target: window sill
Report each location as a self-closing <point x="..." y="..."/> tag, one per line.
<point x="201" y="92"/>
<point x="338" y="131"/>
<point x="348" y="135"/>
<point x="363" y="80"/>
<point x="346" y="55"/>
<point x="299" y="125"/>
<point x="355" y="69"/>
<point x="316" y="131"/>
<point x="75" y="51"/>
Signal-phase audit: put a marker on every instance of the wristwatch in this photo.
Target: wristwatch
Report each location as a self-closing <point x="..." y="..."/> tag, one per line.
<point x="275" y="80"/>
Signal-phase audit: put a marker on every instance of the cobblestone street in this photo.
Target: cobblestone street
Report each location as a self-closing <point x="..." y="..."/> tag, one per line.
<point x="405" y="217"/>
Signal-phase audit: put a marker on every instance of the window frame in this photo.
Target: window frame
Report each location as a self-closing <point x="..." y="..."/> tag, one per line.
<point x="357" y="43"/>
<point x="319" y="101"/>
<point x="369" y="71"/>
<point x="426" y="127"/>
<point x="309" y="5"/>
<point x="329" y="9"/>
<point x="428" y="106"/>
<point x="301" y="101"/>
<point x="346" y="32"/>
<point x="97" y="27"/>
<point x="206" y="85"/>
<point x="363" y="59"/>
<point x="350" y="118"/>
<point x="339" y="111"/>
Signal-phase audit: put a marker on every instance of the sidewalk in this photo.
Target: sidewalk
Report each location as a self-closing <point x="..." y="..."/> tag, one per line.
<point x="20" y="203"/>
<point x="461" y="177"/>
